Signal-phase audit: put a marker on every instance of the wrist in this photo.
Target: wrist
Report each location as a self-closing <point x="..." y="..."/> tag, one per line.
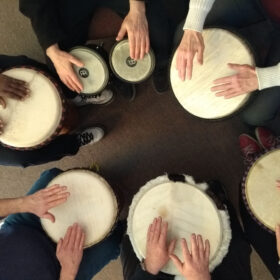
<point x="66" y="274"/>
<point x="21" y="205"/>
<point x="150" y="269"/>
<point x="52" y="50"/>
<point x="137" y="6"/>
<point x="205" y="276"/>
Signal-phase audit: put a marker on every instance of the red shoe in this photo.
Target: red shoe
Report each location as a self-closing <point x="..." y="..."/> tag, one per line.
<point x="249" y="146"/>
<point x="266" y="138"/>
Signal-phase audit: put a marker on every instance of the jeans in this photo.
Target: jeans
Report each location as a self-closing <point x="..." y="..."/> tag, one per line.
<point x="95" y="257"/>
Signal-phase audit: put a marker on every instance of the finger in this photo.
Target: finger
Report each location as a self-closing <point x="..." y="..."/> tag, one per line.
<point x="19" y="82"/>
<point x="200" y="55"/>
<point x="190" y="66"/>
<point x="78" y="239"/>
<point x="121" y="33"/>
<point x="186" y="251"/>
<point x="149" y="233"/>
<point x="49" y="216"/>
<point x="221" y="87"/>
<point x="132" y="43"/>
<point x="157" y="230"/>
<point x="137" y="47"/>
<point x="182" y="68"/>
<point x="147" y="44"/>
<point x="57" y="202"/>
<point x="171" y="246"/>
<point x="73" y="237"/>
<point x="3" y="104"/>
<point x="200" y="246"/>
<point x="67" y="237"/>
<point x="236" y="67"/>
<point x="226" y="93"/>
<point x="177" y="262"/>
<point x="67" y="83"/>
<point x="82" y="241"/>
<point x="76" y="82"/>
<point x="19" y="90"/>
<point x="72" y="85"/>
<point x="207" y="249"/>
<point x="195" y="253"/>
<point x="163" y="233"/>
<point x="75" y="60"/>
<point x="10" y="93"/>
<point x="59" y="245"/>
<point x="56" y="197"/>
<point x="153" y="225"/>
<point x="143" y="48"/>
<point x="54" y="189"/>
<point x="224" y="80"/>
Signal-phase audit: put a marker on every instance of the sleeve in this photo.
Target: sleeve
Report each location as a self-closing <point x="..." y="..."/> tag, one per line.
<point x="140" y="274"/>
<point x="198" y="10"/>
<point x="44" y="19"/>
<point x="268" y="76"/>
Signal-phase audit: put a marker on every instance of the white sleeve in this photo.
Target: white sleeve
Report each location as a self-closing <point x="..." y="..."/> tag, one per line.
<point x="268" y="76"/>
<point x="198" y="10"/>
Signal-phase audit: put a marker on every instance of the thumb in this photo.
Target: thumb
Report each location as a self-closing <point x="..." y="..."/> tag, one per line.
<point x="121" y="33"/>
<point x="49" y="216"/>
<point x="75" y="61"/>
<point x="171" y="246"/>
<point x="176" y="262"/>
<point x="3" y="102"/>
<point x="235" y="67"/>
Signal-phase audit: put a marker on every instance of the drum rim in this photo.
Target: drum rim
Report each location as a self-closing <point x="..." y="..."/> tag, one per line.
<point x="62" y="102"/>
<point x="107" y="74"/>
<point x="153" y="59"/>
<point x="244" y="192"/>
<point x="250" y="49"/>
<point x="115" y="220"/>
<point x="165" y="179"/>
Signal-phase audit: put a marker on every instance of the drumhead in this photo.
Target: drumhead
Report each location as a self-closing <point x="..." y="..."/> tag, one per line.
<point x="92" y="204"/>
<point x="129" y="69"/>
<point x="195" y="95"/>
<point x="187" y="210"/>
<point x="261" y="195"/>
<point x="30" y="122"/>
<point x="94" y="75"/>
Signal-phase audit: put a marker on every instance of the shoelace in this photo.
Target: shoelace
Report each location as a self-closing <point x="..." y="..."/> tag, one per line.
<point x="85" y="138"/>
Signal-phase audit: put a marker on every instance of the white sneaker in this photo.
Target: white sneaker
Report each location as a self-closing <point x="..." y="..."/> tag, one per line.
<point x="90" y="136"/>
<point x="101" y="98"/>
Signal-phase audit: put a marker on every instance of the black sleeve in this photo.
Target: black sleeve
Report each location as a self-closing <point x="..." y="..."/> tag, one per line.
<point x="140" y="274"/>
<point x="44" y="18"/>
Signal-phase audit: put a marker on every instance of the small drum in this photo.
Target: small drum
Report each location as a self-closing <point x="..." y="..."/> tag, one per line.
<point x="187" y="208"/>
<point x="128" y="69"/>
<point x="94" y="75"/>
<point x="195" y="95"/>
<point x="92" y="204"/>
<point x="35" y="121"/>
<point x="259" y="192"/>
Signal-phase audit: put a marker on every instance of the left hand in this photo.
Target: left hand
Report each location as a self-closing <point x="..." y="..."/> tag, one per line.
<point x="136" y="26"/>
<point x="244" y="81"/>
<point x="42" y="201"/>
<point x="157" y="249"/>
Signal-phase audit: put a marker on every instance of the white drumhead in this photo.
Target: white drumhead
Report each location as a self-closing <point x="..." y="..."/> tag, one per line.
<point x="30" y="122"/>
<point x="94" y="75"/>
<point x="128" y="69"/>
<point x="92" y="204"/>
<point x="186" y="209"/>
<point x="195" y="95"/>
<point x="261" y="193"/>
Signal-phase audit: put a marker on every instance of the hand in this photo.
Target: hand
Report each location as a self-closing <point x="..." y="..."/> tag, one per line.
<point x="62" y="62"/>
<point x="69" y="252"/>
<point x="12" y="88"/>
<point x="278" y="184"/>
<point x="191" y="43"/>
<point x="157" y="249"/>
<point x="244" y="81"/>
<point x="1" y="126"/>
<point x="196" y="261"/>
<point x="136" y="26"/>
<point x="42" y="201"/>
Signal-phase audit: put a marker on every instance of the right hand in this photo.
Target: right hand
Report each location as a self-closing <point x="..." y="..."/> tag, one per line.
<point x="12" y="88"/>
<point x="62" y="62"/>
<point x="196" y="261"/>
<point x="191" y="43"/>
<point x="69" y="252"/>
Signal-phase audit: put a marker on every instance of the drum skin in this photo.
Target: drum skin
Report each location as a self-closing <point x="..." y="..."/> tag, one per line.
<point x="195" y="95"/>
<point x="35" y="121"/>
<point x="260" y="195"/>
<point x="128" y="69"/>
<point x="92" y="204"/>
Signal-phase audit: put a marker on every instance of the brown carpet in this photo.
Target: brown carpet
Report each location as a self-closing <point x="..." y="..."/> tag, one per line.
<point x="146" y="138"/>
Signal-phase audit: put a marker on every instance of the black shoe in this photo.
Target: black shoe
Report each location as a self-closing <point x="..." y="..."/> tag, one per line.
<point x="161" y="79"/>
<point x="127" y="90"/>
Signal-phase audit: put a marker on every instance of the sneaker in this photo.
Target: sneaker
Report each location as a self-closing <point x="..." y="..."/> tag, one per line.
<point x="127" y="90"/>
<point x="90" y="136"/>
<point x="266" y="138"/>
<point x="104" y="97"/>
<point x="249" y="146"/>
<point x="161" y="80"/>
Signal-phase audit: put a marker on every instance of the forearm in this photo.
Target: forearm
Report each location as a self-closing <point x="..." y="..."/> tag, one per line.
<point x="198" y="10"/>
<point x="137" y="6"/>
<point x="268" y="76"/>
<point x="66" y="275"/>
<point x="11" y="206"/>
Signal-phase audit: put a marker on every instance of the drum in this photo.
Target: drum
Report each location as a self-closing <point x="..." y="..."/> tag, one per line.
<point x="35" y="121"/>
<point x="94" y="75"/>
<point x="92" y="204"/>
<point x="128" y="69"/>
<point x="195" y="95"/>
<point x="187" y="208"/>
<point x="259" y="192"/>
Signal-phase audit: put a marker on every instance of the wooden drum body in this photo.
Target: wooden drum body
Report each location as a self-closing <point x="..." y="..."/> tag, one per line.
<point x="259" y="192"/>
<point x="195" y="95"/>
<point x="187" y="209"/>
<point x="92" y="204"/>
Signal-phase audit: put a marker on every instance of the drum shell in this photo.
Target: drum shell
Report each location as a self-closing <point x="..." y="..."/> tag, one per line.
<point x="65" y="107"/>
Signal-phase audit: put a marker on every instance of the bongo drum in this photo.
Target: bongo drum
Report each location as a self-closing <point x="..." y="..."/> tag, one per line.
<point x="128" y="69"/>
<point x="187" y="209"/>
<point x="92" y="204"/>
<point x="35" y="121"/>
<point x="94" y="75"/>
<point x="259" y="192"/>
<point x="195" y="95"/>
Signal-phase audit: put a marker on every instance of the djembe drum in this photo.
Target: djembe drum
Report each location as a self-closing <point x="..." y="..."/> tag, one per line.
<point x="187" y="208"/>
<point x="92" y="204"/>
<point x="195" y="95"/>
